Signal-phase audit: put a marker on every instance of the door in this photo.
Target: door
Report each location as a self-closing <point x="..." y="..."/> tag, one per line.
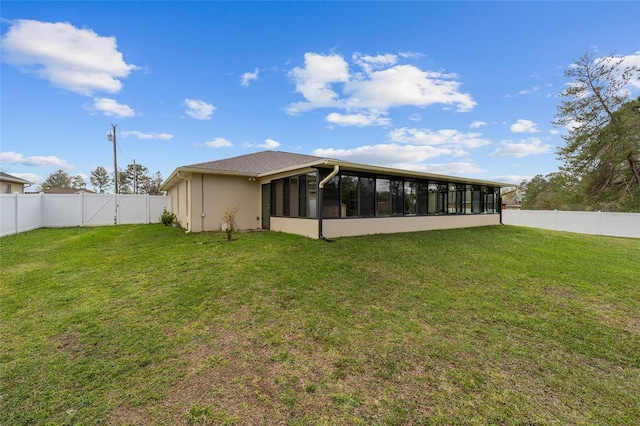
<point x="266" y="205"/>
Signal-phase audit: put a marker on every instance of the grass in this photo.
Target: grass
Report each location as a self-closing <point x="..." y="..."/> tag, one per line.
<point x="148" y="325"/>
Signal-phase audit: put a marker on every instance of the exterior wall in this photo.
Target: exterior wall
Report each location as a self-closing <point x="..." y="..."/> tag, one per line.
<point x="213" y="195"/>
<point x="179" y="203"/>
<point x="13" y="187"/>
<point x="333" y="228"/>
<point x="304" y="227"/>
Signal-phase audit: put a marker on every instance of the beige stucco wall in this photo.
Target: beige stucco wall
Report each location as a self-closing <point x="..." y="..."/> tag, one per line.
<point x="304" y="227"/>
<point x="333" y="228"/>
<point x="15" y="187"/>
<point x="213" y="195"/>
<point x="179" y="205"/>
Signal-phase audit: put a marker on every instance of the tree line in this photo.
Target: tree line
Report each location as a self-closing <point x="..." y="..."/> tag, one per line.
<point x="135" y="179"/>
<point x="601" y="169"/>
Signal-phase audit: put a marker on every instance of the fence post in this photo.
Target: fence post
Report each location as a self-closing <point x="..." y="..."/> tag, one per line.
<point x="15" y="221"/>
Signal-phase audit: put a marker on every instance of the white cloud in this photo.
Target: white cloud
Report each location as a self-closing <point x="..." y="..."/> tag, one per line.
<point x="524" y="126"/>
<point x="326" y="81"/>
<point x="389" y="155"/>
<point x="111" y="108"/>
<point x="531" y="146"/>
<point x="447" y="137"/>
<point x="11" y="157"/>
<point x="269" y="144"/>
<point x="368" y="63"/>
<point x="141" y="135"/>
<point x="248" y="77"/>
<point x="315" y="79"/>
<point x="199" y="110"/>
<point x="218" y="143"/>
<point x="451" y="169"/>
<point x="359" y="120"/>
<point x="31" y="177"/>
<point x="632" y="60"/>
<point x="72" y="58"/>
<point x="477" y="124"/>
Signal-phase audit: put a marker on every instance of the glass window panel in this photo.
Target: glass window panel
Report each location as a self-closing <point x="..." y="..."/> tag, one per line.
<point x="467" y="199"/>
<point x="293" y="182"/>
<point x="452" y="199"/>
<point x="434" y="199"/>
<point x="443" y="198"/>
<point x="303" y="208"/>
<point x="422" y="195"/>
<point x="276" y="197"/>
<point x="331" y="198"/>
<point x="367" y="186"/>
<point x="410" y="197"/>
<point x="349" y="187"/>
<point x="286" y="197"/>
<point x="312" y="194"/>
<point x="396" y="190"/>
<point x="382" y="197"/>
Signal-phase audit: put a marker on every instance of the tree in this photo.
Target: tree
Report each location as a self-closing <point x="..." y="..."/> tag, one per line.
<point x="601" y="149"/>
<point x="131" y="178"/>
<point x="555" y="191"/>
<point x="61" y="179"/>
<point x="151" y="185"/>
<point x="100" y="179"/>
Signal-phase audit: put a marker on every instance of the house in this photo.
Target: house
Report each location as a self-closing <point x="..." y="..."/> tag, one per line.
<point x="11" y="184"/>
<point x="326" y="198"/>
<point x="68" y="191"/>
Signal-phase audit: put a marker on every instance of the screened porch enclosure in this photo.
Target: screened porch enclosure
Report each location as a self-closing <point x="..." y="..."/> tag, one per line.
<point x="360" y="195"/>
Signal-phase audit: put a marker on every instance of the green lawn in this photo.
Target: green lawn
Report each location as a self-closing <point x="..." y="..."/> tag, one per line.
<point x="149" y="325"/>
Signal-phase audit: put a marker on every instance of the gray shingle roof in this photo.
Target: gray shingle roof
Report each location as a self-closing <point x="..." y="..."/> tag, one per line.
<point x="259" y="162"/>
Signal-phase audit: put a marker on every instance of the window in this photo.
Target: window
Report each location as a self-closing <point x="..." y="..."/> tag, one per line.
<point x="410" y="197"/>
<point x="396" y="194"/>
<point x="422" y="197"/>
<point x="286" y="197"/>
<point x="303" y="197"/>
<point x="467" y="199"/>
<point x="293" y="194"/>
<point x="367" y="187"/>
<point x="354" y="195"/>
<point x="349" y="195"/>
<point x="6" y="188"/>
<point x="452" y="199"/>
<point x="382" y="197"/>
<point x="331" y="205"/>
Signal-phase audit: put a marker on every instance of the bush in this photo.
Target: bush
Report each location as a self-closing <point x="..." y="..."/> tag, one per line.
<point x="167" y="218"/>
<point x="229" y="222"/>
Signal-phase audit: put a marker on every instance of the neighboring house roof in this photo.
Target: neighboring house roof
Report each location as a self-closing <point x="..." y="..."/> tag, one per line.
<point x="266" y="163"/>
<point x="68" y="191"/>
<point x="8" y="178"/>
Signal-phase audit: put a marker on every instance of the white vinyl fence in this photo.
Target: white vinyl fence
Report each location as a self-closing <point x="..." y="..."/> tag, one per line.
<point x="24" y="212"/>
<point x="596" y="223"/>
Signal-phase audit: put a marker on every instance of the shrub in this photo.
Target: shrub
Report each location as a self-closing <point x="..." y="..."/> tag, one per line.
<point x="167" y="218"/>
<point x="229" y="222"/>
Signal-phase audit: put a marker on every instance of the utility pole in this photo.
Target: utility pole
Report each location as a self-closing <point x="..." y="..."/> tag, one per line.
<point x="112" y="137"/>
<point x="135" y="177"/>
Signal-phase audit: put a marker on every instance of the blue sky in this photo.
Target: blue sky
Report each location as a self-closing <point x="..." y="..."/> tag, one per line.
<point x="458" y="88"/>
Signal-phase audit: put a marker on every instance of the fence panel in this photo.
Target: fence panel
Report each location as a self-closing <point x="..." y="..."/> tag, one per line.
<point x="61" y="210"/>
<point x="596" y="223"/>
<point x="99" y="209"/>
<point x="24" y="212"/>
<point x="133" y="209"/>
<point x="19" y="214"/>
